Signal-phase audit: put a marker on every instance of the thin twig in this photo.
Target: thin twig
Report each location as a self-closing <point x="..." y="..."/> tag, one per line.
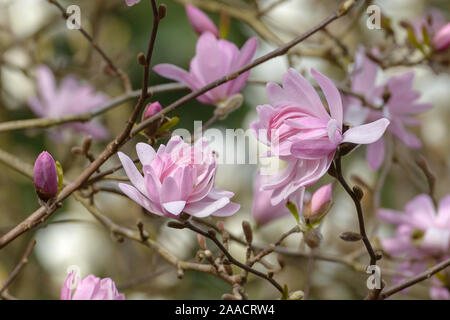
<point x="23" y="261"/>
<point x="117" y="71"/>
<point x="416" y="279"/>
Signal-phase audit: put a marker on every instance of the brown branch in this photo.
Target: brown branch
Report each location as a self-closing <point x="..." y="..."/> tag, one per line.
<point x="117" y="71"/>
<point x="343" y="9"/>
<point x="212" y="236"/>
<point x="50" y="122"/>
<point x="23" y="261"/>
<point x="414" y="280"/>
<point x="43" y="213"/>
<point x="357" y="201"/>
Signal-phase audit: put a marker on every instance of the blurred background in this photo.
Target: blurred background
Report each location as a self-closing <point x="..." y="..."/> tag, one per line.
<point x="32" y="32"/>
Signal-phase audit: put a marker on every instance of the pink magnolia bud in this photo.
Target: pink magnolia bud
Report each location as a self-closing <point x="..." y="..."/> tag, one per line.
<point x="45" y="177"/>
<point x="151" y="110"/>
<point x="319" y="204"/>
<point x="441" y="39"/>
<point x="200" y="21"/>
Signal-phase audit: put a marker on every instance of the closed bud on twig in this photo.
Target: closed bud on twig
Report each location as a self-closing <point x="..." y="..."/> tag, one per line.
<point x="358" y="192"/>
<point x="162" y="11"/>
<point x="247" y="231"/>
<point x="220" y="226"/>
<point x="350" y="236"/>
<point x="45" y="177"/>
<point x="201" y="241"/>
<point x="319" y="205"/>
<point x="313" y="238"/>
<point x="281" y="261"/>
<point x="227" y="106"/>
<point x="141" y="59"/>
<point x="228" y="269"/>
<point x="296" y="295"/>
<point x="270" y="274"/>
<point x="77" y="150"/>
<point x="87" y="144"/>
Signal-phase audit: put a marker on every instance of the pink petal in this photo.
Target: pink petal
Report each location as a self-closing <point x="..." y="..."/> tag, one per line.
<point x="137" y="197"/>
<point x="443" y="217"/>
<point x="132" y="172"/>
<point x="375" y="154"/>
<point x="332" y="95"/>
<point x="367" y="133"/>
<point x="145" y="152"/>
<point x="200" y="21"/>
<point x="174" y="207"/>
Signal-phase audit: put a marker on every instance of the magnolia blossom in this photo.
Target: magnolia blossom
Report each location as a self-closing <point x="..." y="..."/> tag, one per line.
<point x="200" y="21"/>
<point x="89" y="288"/>
<point x="70" y="98"/>
<point x="177" y="178"/>
<point x="45" y="177"/>
<point x="214" y="59"/>
<point x="298" y="129"/>
<point x="422" y="236"/>
<point x="395" y="100"/>
<point x="421" y="231"/>
<point x="262" y="209"/>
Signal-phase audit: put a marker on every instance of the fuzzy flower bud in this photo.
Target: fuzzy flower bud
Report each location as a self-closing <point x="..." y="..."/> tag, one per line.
<point x="45" y="177"/>
<point x="313" y="238"/>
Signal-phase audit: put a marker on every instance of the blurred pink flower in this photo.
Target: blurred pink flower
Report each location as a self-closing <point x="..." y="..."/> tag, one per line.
<point x="422" y="236"/>
<point x="90" y="288"/>
<point x="151" y="109"/>
<point x="298" y="129"/>
<point x="435" y="24"/>
<point x="200" y="21"/>
<point x="441" y="39"/>
<point x="45" y="177"/>
<point x="177" y="178"/>
<point x="400" y="107"/>
<point x="132" y="2"/>
<point x="70" y="98"/>
<point x="263" y="211"/>
<point x="214" y="59"/>
<point x="420" y="231"/>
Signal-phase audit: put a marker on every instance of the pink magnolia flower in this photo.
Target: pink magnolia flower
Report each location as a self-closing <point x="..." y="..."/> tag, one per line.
<point x="177" y="178"/>
<point x="441" y="39"/>
<point x="90" y="288"/>
<point x="400" y="106"/>
<point x="420" y="230"/>
<point x="45" y="177"/>
<point x="262" y="209"/>
<point x="200" y="21"/>
<point x="436" y="26"/>
<point x="132" y="2"/>
<point x="214" y="59"/>
<point x="422" y="236"/>
<point x="298" y="129"/>
<point x="70" y="98"/>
